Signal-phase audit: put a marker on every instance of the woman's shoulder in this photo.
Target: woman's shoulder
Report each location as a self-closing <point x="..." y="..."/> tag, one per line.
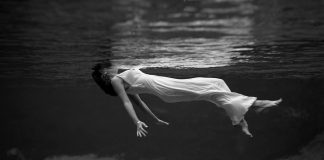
<point x="120" y="71"/>
<point x="128" y="72"/>
<point x="130" y="75"/>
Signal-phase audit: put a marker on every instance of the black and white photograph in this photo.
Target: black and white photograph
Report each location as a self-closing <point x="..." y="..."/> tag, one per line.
<point x="162" y="79"/>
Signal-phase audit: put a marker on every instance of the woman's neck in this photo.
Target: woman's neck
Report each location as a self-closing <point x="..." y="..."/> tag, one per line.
<point x="110" y="71"/>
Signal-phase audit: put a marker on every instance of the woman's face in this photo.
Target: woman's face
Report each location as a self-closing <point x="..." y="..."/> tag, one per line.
<point x="110" y="71"/>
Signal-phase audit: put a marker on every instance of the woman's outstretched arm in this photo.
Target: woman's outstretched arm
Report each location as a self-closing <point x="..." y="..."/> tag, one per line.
<point x="118" y="86"/>
<point x="142" y="105"/>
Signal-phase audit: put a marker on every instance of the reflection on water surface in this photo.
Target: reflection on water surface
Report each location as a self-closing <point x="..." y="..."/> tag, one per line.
<point x="188" y="34"/>
<point x="61" y="40"/>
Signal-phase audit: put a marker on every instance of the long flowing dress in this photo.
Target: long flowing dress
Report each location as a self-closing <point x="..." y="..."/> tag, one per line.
<point x="171" y="90"/>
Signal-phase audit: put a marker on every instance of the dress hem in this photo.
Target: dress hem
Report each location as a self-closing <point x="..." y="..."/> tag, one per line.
<point x="237" y="119"/>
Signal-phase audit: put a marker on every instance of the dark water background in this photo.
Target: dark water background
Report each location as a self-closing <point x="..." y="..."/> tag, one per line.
<point x="265" y="48"/>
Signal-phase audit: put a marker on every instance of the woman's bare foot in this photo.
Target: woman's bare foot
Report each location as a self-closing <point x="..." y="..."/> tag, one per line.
<point x="263" y="104"/>
<point x="245" y="128"/>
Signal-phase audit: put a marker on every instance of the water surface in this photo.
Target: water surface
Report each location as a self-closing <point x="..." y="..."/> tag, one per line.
<point x="59" y="40"/>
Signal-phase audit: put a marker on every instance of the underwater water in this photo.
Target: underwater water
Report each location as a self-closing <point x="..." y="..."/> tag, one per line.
<point x="52" y="109"/>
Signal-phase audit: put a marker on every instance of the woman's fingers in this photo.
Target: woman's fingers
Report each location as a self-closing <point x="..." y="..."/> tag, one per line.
<point x="144" y="124"/>
<point x="141" y="133"/>
<point x="163" y="122"/>
<point x="140" y="129"/>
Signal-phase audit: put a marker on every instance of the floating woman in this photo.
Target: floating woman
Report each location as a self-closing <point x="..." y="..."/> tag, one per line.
<point x="130" y="83"/>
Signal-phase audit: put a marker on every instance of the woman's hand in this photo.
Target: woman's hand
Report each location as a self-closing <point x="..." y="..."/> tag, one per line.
<point x="140" y="129"/>
<point x="160" y="122"/>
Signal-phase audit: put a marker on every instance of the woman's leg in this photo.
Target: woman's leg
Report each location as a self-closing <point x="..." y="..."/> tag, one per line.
<point x="263" y="104"/>
<point x="245" y="127"/>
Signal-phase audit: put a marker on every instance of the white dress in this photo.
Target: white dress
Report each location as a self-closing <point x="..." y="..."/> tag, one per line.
<point x="177" y="90"/>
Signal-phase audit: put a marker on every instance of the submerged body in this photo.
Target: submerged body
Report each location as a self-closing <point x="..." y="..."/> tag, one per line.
<point x="200" y="88"/>
<point x="130" y="83"/>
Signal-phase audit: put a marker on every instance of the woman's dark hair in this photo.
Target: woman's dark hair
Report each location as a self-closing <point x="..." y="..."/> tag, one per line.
<point x="103" y="80"/>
